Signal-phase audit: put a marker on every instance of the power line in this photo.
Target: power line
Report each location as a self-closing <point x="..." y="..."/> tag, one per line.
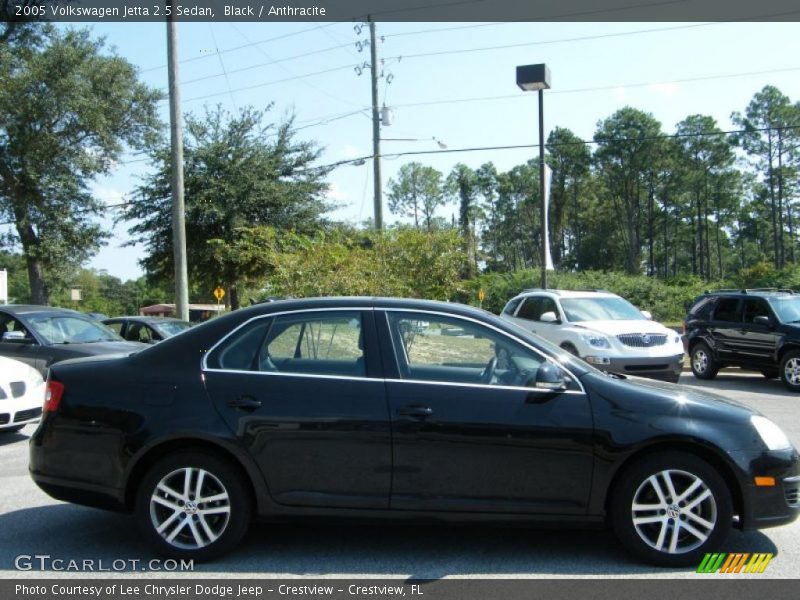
<point x="242" y="46"/>
<point x="601" y="88"/>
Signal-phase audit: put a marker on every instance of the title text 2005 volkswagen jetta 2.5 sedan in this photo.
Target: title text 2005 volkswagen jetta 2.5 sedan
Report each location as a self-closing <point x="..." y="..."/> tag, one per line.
<point x="403" y="409"/>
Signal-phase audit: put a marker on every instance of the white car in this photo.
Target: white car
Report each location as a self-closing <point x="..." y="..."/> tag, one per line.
<point x="21" y="394"/>
<point x="602" y="328"/>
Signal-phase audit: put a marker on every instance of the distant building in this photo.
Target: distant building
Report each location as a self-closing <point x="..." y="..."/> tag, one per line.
<point x="197" y="312"/>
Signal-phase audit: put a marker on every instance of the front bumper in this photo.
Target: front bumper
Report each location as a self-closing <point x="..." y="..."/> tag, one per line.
<point x="665" y="368"/>
<point x="774" y="505"/>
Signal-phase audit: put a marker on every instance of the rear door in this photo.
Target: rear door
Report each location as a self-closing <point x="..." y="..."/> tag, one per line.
<point x="304" y="393"/>
<point x="724" y="327"/>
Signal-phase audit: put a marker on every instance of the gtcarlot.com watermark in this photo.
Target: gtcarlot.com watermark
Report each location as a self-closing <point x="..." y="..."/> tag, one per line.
<point x="46" y="562"/>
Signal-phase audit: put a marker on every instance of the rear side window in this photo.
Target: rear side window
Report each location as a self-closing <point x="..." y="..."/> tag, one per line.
<point x="512" y="306"/>
<point x="702" y="308"/>
<point x="727" y="309"/>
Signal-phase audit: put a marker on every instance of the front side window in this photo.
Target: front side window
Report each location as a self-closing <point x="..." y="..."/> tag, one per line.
<point x="755" y="307"/>
<point x="452" y="350"/>
<point x="531" y="309"/>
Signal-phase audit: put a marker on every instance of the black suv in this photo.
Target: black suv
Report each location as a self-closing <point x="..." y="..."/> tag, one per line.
<point x="755" y="329"/>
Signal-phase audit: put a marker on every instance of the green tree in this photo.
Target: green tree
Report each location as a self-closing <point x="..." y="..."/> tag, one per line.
<point x="238" y="173"/>
<point x="417" y="193"/>
<point x="462" y="186"/>
<point x="68" y="109"/>
<point x="770" y="138"/>
<point x="629" y="151"/>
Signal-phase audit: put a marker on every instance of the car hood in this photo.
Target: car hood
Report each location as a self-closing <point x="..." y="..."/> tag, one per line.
<point x="14" y="370"/>
<point x="616" y="327"/>
<point x="657" y="397"/>
<point x="102" y="348"/>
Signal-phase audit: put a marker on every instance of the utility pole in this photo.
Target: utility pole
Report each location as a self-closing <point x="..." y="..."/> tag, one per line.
<point x="376" y="127"/>
<point x="178" y="210"/>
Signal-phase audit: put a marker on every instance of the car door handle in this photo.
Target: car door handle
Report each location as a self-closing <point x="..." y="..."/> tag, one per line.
<point x="245" y="403"/>
<point x="415" y="411"/>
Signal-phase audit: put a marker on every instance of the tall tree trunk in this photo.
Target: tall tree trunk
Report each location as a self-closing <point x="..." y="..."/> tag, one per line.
<point x="773" y="212"/>
<point x="29" y="240"/>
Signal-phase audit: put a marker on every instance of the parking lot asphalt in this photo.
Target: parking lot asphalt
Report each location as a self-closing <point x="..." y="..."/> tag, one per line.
<point x="31" y="523"/>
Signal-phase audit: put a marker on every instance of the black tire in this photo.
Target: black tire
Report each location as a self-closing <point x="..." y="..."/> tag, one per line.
<point x="220" y="476"/>
<point x="790" y="370"/>
<point x="702" y="361"/>
<point x="683" y="469"/>
<point x="14" y="429"/>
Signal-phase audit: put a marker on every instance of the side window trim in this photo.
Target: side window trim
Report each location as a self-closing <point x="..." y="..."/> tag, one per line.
<point x="365" y="322"/>
<point x="536" y="351"/>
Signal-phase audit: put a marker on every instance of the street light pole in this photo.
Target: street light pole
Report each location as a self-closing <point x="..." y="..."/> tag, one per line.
<point x="530" y="78"/>
<point x="543" y="208"/>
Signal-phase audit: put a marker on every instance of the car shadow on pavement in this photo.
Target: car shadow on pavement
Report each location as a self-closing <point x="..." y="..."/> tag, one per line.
<point x="7" y="438"/>
<point x="351" y="549"/>
<point x="744" y="381"/>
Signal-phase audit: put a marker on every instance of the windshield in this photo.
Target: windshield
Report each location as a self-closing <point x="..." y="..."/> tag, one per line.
<point x="62" y="329"/>
<point x="787" y="308"/>
<point x="599" y="309"/>
<point x="170" y="328"/>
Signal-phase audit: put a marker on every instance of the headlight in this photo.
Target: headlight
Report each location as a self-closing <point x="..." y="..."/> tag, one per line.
<point x="595" y="340"/>
<point x="772" y="435"/>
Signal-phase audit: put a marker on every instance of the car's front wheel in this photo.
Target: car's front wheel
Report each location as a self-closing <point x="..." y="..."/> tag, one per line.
<point x="703" y="364"/>
<point x="790" y="370"/>
<point x="670" y="509"/>
<point x="193" y="505"/>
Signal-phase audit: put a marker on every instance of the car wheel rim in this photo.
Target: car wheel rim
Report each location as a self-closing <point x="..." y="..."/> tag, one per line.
<point x="190" y="508"/>
<point x="700" y="361"/>
<point x="674" y="511"/>
<point x="792" y="371"/>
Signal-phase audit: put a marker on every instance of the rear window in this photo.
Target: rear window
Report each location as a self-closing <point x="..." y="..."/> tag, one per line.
<point x="702" y="307"/>
<point x="727" y="309"/>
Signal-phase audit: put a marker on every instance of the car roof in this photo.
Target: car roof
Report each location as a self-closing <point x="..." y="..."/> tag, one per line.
<point x="360" y="302"/>
<point x="32" y="309"/>
<point x="761" y="292"/>
<point x="144" y="319"/>
<point x="568" y="293"/>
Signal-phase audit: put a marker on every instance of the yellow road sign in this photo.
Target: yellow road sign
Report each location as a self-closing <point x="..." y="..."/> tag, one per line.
<point x="219" y="294"/>
<point x="481" y="295"/>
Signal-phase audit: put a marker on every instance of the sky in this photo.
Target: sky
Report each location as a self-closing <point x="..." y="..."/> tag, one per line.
<point x="462" y="93"/>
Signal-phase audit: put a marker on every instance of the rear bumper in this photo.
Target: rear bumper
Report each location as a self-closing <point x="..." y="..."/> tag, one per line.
<point x="86" y="494"/>
<point x="774" y="505"/>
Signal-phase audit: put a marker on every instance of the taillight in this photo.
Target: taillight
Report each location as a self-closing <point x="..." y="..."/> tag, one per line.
<point x="684" y="328"/>
<point x="52" y="397"/>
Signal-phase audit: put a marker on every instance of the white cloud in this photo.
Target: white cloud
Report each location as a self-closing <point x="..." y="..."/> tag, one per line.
<point x="336" y="194"/>
<point x="350" y="151"/>
<point x="109" y="195"/>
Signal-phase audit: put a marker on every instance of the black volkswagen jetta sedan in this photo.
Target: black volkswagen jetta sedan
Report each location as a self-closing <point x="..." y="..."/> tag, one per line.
<point x="369" y="407"/>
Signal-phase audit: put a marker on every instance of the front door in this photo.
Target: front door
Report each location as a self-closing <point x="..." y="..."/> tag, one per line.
<point x="303" y="392"/>
<point x="470" y="433"/>
<point x="757" y="343"/>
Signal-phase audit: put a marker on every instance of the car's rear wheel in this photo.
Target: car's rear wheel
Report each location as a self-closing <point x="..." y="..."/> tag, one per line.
<point x="703" y="364"/>
<point x="670" y="509"/>
<point x="193" y="505"/>
<point x="790" y="370"/>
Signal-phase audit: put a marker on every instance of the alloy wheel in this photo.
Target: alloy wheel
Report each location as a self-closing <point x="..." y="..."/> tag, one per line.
<point x="791" y="371"/>
<point x="674" y="511"/>
<point x="190" y="508"/>
<point x="700" y="361"/>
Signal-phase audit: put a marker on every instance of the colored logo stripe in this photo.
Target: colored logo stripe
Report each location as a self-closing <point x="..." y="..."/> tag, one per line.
<point x="734" y="563"/>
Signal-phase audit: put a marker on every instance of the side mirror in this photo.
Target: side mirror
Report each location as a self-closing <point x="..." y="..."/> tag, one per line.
<point x="550" y="377"/>
<point x="16" y="337"/>
<point x="762" y="320"/>
<point x="647" y="314"/>
<point x="549" y="317"/>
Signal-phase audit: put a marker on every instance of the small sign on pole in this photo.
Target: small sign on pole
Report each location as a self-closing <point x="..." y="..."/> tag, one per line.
<point x="219" y="294"/>
<point x="481" y="296"/>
